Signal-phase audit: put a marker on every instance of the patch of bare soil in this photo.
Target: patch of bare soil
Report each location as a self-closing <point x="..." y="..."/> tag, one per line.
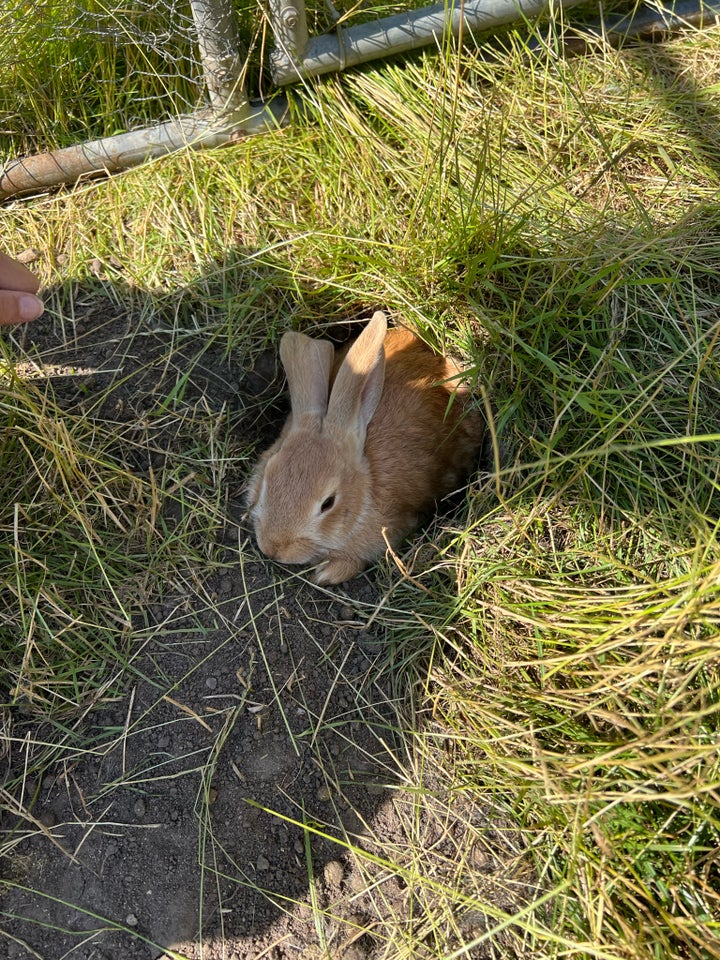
<point x="208" y="807"/>
<point x="195" y="826"/>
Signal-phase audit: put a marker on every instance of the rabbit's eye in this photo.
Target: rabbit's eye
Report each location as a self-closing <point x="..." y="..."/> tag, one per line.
<point x="327" y="504"/>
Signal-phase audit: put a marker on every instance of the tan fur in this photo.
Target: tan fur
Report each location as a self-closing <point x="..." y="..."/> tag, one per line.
<point x="417" y="427"/>
<point x="421" y="442"/>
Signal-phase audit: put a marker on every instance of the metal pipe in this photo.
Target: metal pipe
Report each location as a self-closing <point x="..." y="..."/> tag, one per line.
<point x="220" y="52"/>
<point x="38" y="173"/>
<point x="397" y="34"/>
<point x="647" y="24"/>
<point x="289" y="23"/>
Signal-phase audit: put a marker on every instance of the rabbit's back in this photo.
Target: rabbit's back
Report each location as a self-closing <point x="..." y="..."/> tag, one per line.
<point x="424" y="438"/>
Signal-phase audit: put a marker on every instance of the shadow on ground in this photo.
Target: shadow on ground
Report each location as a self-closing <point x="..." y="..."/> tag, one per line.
<point x="255" y="727"/>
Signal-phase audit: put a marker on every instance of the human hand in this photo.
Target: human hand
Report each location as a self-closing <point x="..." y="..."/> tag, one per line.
<point x="18" y="287"/>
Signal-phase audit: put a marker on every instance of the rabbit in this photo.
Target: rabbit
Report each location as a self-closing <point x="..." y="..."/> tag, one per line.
<point x="395" y="435"/>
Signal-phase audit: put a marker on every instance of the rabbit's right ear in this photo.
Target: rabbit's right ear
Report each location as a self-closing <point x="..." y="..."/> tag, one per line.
<point x="307" y="363"/>
<point x="359" y="382"/>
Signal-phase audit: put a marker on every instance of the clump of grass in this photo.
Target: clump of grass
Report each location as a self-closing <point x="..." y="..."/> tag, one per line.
<point x="587" y="703"/>
<point x="73" y="516"/>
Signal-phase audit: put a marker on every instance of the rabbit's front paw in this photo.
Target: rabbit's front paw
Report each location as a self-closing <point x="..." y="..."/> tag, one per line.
<point x="338" y="569"/>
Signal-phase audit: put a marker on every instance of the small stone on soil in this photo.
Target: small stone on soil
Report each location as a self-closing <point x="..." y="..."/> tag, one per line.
<point x="334" y="873"/>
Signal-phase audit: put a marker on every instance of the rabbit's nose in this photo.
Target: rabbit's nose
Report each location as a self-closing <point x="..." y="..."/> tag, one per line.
<point x="275" y="548"/>
<point x="267" y="545"/>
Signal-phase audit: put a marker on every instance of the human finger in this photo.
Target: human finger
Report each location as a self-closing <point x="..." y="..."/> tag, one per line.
<point x="16" y="306"/>
<point x="16" y="276"/>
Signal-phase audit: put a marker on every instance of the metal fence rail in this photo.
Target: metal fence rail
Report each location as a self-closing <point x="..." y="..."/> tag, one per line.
<point x="219" y="65"/>
<point x="298" y="55"/>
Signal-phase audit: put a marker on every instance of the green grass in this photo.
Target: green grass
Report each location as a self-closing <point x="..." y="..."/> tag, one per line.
<point x="554" y="645"/>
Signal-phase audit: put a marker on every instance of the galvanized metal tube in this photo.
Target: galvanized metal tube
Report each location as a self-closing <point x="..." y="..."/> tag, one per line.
<point x="646" y="24"/>
<point x="220" y="52"/>
<point x="397" y="34"/>
<point x="289" y="23"/>
<point x="41" y="172"/>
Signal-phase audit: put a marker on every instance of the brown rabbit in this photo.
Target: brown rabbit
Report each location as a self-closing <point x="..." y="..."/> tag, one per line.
<point x="395" y="436"/>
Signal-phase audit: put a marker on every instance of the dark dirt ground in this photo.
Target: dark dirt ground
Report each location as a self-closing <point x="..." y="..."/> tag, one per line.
<point x="256" y="728"/>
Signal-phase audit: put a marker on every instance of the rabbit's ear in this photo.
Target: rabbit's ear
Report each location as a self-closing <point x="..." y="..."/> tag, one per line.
<point x="359" y="382"/>
<point x="307" y="363"/>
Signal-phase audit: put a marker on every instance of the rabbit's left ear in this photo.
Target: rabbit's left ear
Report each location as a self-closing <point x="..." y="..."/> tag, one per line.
<point x="307" y="363"/>
<point x="359" y="382"/>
